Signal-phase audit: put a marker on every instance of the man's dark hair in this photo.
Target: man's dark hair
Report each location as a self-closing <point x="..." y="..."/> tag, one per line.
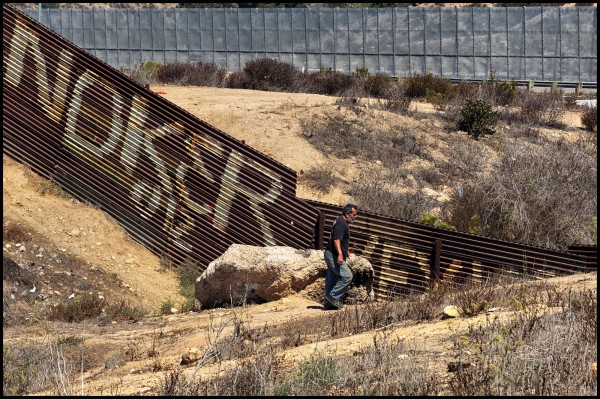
<point x="348" y="209"/>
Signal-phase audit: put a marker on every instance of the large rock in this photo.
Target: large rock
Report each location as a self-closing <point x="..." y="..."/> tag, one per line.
<point x="263" y="274"/>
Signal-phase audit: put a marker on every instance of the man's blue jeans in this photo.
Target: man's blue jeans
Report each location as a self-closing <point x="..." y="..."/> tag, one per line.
<point x="337" y="278"/>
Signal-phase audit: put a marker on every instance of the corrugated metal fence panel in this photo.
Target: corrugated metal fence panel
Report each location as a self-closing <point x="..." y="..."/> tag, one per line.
<point x="589" y="252"/>
<point x="402" y="253"/>
<point x="177" y="184"/>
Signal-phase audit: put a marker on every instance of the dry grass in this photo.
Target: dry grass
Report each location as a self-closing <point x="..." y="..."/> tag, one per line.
<point x="539" y="352"/>
<point x="545" y="349"/>
<point x="500" y="353"/>
<point x="541" y="193"/>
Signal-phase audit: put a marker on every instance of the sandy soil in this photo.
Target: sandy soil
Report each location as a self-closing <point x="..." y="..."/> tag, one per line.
<point x="97" y="248"/>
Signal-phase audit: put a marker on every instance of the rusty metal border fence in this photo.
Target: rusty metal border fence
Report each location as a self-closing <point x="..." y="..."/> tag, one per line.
<point x="178" y="185"/>
<point x="409" y="256"/>
<point x="187" y="190"/>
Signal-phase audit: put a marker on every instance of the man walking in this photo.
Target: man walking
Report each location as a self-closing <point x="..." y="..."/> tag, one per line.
<point x="338" y="276"/>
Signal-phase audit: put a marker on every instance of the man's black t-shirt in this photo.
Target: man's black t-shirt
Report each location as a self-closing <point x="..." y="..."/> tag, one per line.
<point x="339" y="231"/>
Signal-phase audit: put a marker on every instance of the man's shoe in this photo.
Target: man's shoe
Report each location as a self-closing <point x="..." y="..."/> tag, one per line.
<point x="335" y="303"/>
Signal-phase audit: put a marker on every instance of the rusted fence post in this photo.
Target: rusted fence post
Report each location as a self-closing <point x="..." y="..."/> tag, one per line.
<point x="320" y="230"/>
<point x="435" y="263"/>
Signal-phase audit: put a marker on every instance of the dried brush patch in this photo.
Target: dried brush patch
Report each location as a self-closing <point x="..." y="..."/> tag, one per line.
<point x="541" y="193"/>
<point x="172" y="73"/>
<point x="270" y="75"/>
<point x="319" y="179"/>
<point x="332" y="83"/>
<point x="589" y="119"/>
<point x="384" y="192"/>
<point x="15" y="232"/>
<point x="541" y="351"/>
<point x="205" y="74"/>
<point x="388" y="366"/>
<point x="31" y="367"/>
<point x="416" y="86"/>
<point x="394" y="99"/>
<point x="355" y="134"/>
<point x="540" y="109"/>
<point x="88" y="306"/>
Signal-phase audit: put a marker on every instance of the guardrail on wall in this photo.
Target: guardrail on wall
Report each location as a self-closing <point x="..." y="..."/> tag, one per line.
<point x="181" y="187"/>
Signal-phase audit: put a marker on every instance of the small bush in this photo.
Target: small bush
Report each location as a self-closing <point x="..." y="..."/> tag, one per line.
<point x="205" y="74"/>
<point x="395" y="100"/>
<point x="52" y="188"/>
<point x="433" y="220"/>
<point x="330" y="82"/>
<point x="589" y="119"/>
<point x="188" y="273"/>
<point x="172" y="73"/>
<point x="436" y="99"/>
<point x="145" y="72"/>
<point x="237" y="80"/>
<point x="150" y="66"/>
<point x="271" y="75"/>
<point x="541" y="109"/>
<point x="505" y="93"/>
<point x="478" y="118"/>
<point x="416" y="85"/>
<point x="166" y="306"/>
<point x="378" y="85"/>
<point x="15" y="232"/>
<point x="498" y="92"/>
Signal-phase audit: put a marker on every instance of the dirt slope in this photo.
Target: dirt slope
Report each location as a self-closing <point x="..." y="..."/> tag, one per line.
<point x="63" y="247"/>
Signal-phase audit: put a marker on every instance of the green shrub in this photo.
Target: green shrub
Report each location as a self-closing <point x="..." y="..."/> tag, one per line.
<point x="477" y="118"/>
<point x="145" y="72"/>
<point x="151" y="67"/>
<point x="188" y="273"/>
<point x="435" y="221"/>
<point x="505" y="93"/>
<point x="589" y="119"/>
<point x="362" y="72"/>
<point x="438" y="100"/>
